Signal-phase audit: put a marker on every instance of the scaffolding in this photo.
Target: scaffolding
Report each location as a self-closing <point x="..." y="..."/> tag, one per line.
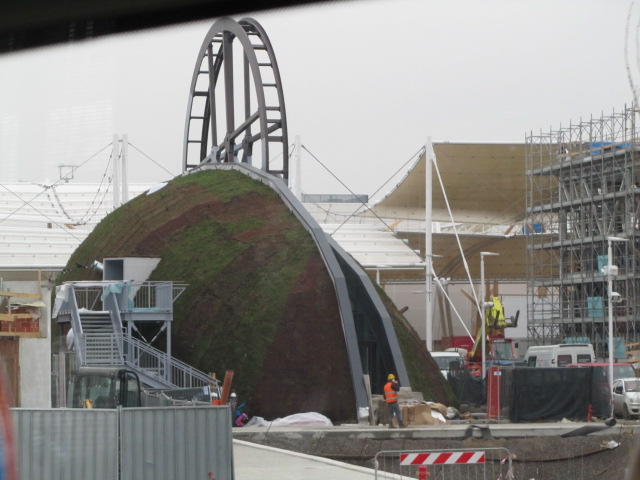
<point x="582" y="187"/>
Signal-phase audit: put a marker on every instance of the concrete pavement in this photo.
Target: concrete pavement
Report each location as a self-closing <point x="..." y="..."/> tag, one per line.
<point x="258" y="462"/>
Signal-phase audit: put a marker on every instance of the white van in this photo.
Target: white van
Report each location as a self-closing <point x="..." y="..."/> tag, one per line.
<point x="444" y="359"/>
<point x="559" y="355"/>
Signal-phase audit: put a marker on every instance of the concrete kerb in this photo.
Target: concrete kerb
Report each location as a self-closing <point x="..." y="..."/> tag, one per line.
<point x="451" y="432"/>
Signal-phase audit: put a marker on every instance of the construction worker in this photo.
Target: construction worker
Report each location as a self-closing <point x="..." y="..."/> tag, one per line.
<point x="391" y="397"/>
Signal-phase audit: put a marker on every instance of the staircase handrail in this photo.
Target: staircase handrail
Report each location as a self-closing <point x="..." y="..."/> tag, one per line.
<point x="76" y="325"/>
<point x="111" y="305"/>
<point x="172" y="371"/>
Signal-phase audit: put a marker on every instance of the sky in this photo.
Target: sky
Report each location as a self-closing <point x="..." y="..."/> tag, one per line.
<point x="365" y="82"/>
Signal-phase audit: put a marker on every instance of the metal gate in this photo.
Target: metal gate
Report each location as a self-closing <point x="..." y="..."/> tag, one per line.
<point x="452" y="464"/>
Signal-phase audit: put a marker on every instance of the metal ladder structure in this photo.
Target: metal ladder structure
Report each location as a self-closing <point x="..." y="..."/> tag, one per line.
<point x="264" y="122"/>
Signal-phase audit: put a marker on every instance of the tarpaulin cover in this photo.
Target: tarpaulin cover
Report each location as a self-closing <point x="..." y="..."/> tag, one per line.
<point x="467" y="388"/>
<point x="600" y="396"/>
<point x="533" y="393"/>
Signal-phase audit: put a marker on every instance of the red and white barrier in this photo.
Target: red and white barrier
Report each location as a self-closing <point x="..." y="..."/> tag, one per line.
<point x="442" y="458"/>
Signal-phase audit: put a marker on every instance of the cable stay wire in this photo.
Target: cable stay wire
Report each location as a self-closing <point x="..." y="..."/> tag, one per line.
<point x="446" y="295"/>
<point x="362" y="204"/>
<point x="374" y="193"/>
<point x="148" y="157"/>
<point x="455" y="230"/>
<point x="345" y="186"/>
<point x="390" y="228"/>
<point x="26" y="203"/>
<point x="82" y="220"/>
<point x="281" y="154"/>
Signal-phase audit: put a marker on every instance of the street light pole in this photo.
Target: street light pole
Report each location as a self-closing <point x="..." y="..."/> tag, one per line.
<point x="482" y="320"/>
<point x="611" y="271"/>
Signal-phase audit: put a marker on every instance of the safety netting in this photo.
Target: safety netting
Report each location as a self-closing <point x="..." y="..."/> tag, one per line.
<point x="467" y="388"/>
<point x="530" y="394"/>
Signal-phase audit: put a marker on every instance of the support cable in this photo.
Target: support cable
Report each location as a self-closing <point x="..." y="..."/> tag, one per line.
<point x="144" y="154"/>
<point x="44" y="189"/>
<point x="362" y="204"/>
<point x="106" y="191"/>
<point x="455" y="230"/>
<point x="446" y="295"/>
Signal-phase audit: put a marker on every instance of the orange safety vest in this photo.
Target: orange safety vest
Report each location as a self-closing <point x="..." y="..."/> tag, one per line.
<point x="390" y="395"/>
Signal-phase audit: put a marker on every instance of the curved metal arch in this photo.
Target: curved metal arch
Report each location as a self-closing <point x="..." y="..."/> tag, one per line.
<point x="215" y="54"/>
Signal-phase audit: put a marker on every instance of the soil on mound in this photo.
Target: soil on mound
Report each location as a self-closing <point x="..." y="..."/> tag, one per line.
<point x="259" y="302"/>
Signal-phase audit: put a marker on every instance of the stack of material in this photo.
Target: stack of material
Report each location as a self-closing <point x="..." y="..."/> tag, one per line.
<point x="414" y="413"/>
<point x="425" y="413"/>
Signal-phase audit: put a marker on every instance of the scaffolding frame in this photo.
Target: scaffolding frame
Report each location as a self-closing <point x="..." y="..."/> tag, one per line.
<point x="582" y="187"/>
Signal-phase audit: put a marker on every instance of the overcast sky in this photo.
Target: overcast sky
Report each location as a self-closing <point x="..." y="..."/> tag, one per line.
<point x="365" y="83"/>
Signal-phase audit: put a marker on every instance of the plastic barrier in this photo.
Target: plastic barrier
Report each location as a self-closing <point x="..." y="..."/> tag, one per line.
<point x="486" y="463"/>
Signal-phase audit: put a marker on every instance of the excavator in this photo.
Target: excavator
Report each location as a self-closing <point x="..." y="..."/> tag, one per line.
<point x="499" y="349"/>
<point x="110" y="387"/>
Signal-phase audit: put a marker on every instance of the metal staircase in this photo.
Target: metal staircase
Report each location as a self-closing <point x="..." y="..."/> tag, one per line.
<point x="101" y="346"/>
<point x="103" y="316"/>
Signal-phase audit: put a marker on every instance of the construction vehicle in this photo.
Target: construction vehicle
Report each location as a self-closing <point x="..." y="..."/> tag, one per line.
<point x="500" y="350"/>
<point x="110" y="387"/>
<point x="104" y="388"/>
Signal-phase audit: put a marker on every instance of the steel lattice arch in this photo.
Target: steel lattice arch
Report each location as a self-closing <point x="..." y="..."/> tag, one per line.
<point x="212" y="133"/>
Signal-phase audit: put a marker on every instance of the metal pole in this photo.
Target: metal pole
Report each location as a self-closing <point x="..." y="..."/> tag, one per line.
<point x="610" y="272"/>
<point x="125" y="169"/>
<point x="482" y="321"/>
<point x="609" y="290"/>
<point x="115" y="181"/>
<point x="428" y="246"/>
<point x="297" y="174"/>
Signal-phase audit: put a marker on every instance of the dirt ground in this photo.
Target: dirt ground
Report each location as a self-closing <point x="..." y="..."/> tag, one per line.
<point x="537" y="458"/>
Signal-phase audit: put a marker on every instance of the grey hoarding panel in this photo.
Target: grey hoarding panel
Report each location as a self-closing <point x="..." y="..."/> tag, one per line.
<point x="63" y="444"/>
<point x="175" y="443"/>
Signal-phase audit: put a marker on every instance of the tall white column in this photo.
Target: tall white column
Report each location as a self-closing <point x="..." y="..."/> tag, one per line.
<point x="428" y="245"/>
<point x="297" y="170"/>
<point x="115" y="180"/>
<point x="125" y="168"/>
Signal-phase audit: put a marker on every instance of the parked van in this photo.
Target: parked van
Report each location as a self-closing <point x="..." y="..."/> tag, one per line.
<point x="559" y="355"/>
<point x="444" y="359"/>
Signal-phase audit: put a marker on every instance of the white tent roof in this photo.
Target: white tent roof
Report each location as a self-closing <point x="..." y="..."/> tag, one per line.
<point x="484" y="183"/>
<point x="41" y="225"/>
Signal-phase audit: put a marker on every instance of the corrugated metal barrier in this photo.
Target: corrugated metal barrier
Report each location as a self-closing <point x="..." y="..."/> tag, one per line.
<point x="170" y="443"/>
<point x="176" y="443"/>
<point x="61" y="444"/>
